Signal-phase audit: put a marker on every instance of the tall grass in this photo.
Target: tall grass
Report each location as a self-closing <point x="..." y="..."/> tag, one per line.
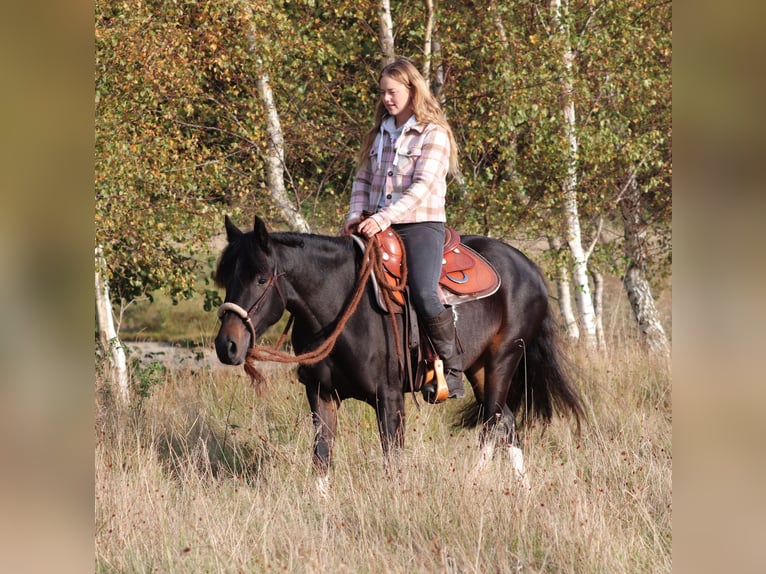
<point x="205" y="475"/>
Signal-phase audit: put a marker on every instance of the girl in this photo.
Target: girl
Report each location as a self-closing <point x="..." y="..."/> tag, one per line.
<point x="402" y="180"/>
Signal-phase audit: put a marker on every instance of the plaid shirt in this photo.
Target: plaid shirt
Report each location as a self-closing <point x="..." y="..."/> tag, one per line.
<point x="410" y="192"/>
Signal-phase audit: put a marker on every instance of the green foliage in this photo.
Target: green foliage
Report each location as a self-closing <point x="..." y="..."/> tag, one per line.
<point x="146" y="376"/>
<point x="180" y="129"/>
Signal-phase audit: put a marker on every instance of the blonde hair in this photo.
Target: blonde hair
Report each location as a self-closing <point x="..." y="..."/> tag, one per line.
<point x="425" y="107"/>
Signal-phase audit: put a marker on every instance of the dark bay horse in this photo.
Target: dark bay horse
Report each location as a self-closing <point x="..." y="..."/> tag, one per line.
<point x="313" y="277"/>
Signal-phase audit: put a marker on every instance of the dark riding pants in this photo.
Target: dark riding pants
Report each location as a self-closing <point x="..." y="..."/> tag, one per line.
<point x="424" y="247"/>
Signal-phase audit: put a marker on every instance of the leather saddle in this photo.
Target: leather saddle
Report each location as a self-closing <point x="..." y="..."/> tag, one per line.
<point x="466" y="275"/>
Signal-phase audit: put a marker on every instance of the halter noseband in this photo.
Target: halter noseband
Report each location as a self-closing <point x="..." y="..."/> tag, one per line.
<point x="246" y="316"/>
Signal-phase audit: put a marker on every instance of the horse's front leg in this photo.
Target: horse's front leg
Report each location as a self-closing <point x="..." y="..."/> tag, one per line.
<point x="390" y="414"/>
<point x="324" y="414"/>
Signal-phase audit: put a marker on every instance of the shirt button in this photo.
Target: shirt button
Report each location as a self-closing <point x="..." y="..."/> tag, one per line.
<point x="390" y="173"/>
<point x="388" y="196"/>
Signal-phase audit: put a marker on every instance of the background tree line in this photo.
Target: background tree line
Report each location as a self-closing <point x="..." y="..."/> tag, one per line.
<point x="562" y="111"/>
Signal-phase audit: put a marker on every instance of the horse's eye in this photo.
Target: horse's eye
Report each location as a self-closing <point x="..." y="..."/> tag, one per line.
<point x="261" y="280"/>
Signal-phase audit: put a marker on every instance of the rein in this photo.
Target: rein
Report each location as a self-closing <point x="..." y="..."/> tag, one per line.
<point x="372" y="263"/>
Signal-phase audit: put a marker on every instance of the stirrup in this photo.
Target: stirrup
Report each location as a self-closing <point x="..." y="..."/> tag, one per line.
<point x="442" y="392"/>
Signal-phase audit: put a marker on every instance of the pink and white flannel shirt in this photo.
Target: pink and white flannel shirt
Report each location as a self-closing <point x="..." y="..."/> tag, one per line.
<point x="411" y="189"/>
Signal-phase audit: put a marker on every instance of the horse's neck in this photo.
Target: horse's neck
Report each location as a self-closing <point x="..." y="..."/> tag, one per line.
<point x="322" y="275"/>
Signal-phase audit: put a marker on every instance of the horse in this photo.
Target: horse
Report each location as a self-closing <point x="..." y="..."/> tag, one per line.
<point x="314" y="277"/>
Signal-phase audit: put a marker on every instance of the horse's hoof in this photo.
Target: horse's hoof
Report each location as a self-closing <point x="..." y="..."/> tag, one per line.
<point x="517" y="465"/>
<point x="322" y="484"/>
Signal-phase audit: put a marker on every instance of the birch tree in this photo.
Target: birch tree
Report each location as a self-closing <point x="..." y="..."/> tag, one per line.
<point x="582" y="290"/>
<point x="386" y="33"/>
<point x="428" y="39"/>
<point x="635" y="280"/>
<point x="275" y="161"/>
<point x="110" y="341"/>
<point x="627" y="131"/>
<point x="564" y="291"/>
<point x="598" y="303"/>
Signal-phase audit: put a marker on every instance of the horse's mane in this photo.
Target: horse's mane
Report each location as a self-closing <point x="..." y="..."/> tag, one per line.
<point x="295" y="239"/>
<point x="245" y="248"/>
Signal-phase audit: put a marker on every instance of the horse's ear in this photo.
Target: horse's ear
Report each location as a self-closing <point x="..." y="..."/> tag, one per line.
<point x="261" y="233"/>
<point x="232" y="231"/>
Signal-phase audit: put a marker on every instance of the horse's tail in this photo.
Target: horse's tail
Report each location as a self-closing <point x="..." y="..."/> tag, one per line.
<point x="541" y="385"/>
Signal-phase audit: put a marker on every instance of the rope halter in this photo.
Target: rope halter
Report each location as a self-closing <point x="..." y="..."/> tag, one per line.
<point x="247" y="316"/>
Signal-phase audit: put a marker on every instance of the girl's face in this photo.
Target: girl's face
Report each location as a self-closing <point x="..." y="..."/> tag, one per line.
<point x="396" y="98"/>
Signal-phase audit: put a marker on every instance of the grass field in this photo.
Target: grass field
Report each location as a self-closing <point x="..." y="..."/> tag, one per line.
<point x="206" y="476"/>
<point x="202" y="474"/>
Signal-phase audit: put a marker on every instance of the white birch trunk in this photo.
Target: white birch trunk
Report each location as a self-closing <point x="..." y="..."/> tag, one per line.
<point x="275" y="160"/>
<point x="500" y="26"/>
<point x="636" y="284"/>
<point x="569" y="190"/>
<point x="427" y="40"/>
<point x="386" y="26"/>
<point x="107" y="332"/>
<point x="598" y="302"/>
<point x="437" y="85"/>
<point x="565" y="295"/>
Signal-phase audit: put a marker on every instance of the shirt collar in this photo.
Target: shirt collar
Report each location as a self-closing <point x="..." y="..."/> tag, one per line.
<point x="389" y="125"/>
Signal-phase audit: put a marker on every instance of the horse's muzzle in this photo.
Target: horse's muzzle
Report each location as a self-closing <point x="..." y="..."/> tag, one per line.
<point x="233" y="340"/>
<point x="229" y="351"/>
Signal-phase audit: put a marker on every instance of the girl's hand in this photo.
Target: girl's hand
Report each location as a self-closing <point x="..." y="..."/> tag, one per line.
<point x="349" y="227"/>
<point x="368" y="227"/>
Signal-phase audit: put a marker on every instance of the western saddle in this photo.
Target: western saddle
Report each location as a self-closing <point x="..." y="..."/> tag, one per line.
<point x="466" y="276"/>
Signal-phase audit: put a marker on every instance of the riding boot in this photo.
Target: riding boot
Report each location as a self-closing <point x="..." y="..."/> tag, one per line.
<point x="441" y="331"/>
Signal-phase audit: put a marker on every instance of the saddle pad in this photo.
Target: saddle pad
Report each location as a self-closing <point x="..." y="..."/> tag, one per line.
<point x="465" y="272"/>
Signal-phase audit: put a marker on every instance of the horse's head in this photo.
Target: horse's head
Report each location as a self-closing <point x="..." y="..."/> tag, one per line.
<point x="248" y="271"/>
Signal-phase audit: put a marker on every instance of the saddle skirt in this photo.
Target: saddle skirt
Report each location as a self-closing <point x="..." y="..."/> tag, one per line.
<point x="466" y="275"/>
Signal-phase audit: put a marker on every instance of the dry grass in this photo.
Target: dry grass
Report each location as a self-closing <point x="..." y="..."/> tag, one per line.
<point x="207" y="476"/>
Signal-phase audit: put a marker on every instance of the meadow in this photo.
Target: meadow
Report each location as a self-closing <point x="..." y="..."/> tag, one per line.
<point x="204" y="474"/>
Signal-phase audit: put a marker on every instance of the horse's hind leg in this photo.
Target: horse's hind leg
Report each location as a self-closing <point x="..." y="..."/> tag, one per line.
<point x="501" y="434"/>
<point x="510" y="441"/>
<point x="501" y="430"/>
<point x="475" y="375"/>
<point x="498" y="431"/>
<point x="498" y="422"/>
